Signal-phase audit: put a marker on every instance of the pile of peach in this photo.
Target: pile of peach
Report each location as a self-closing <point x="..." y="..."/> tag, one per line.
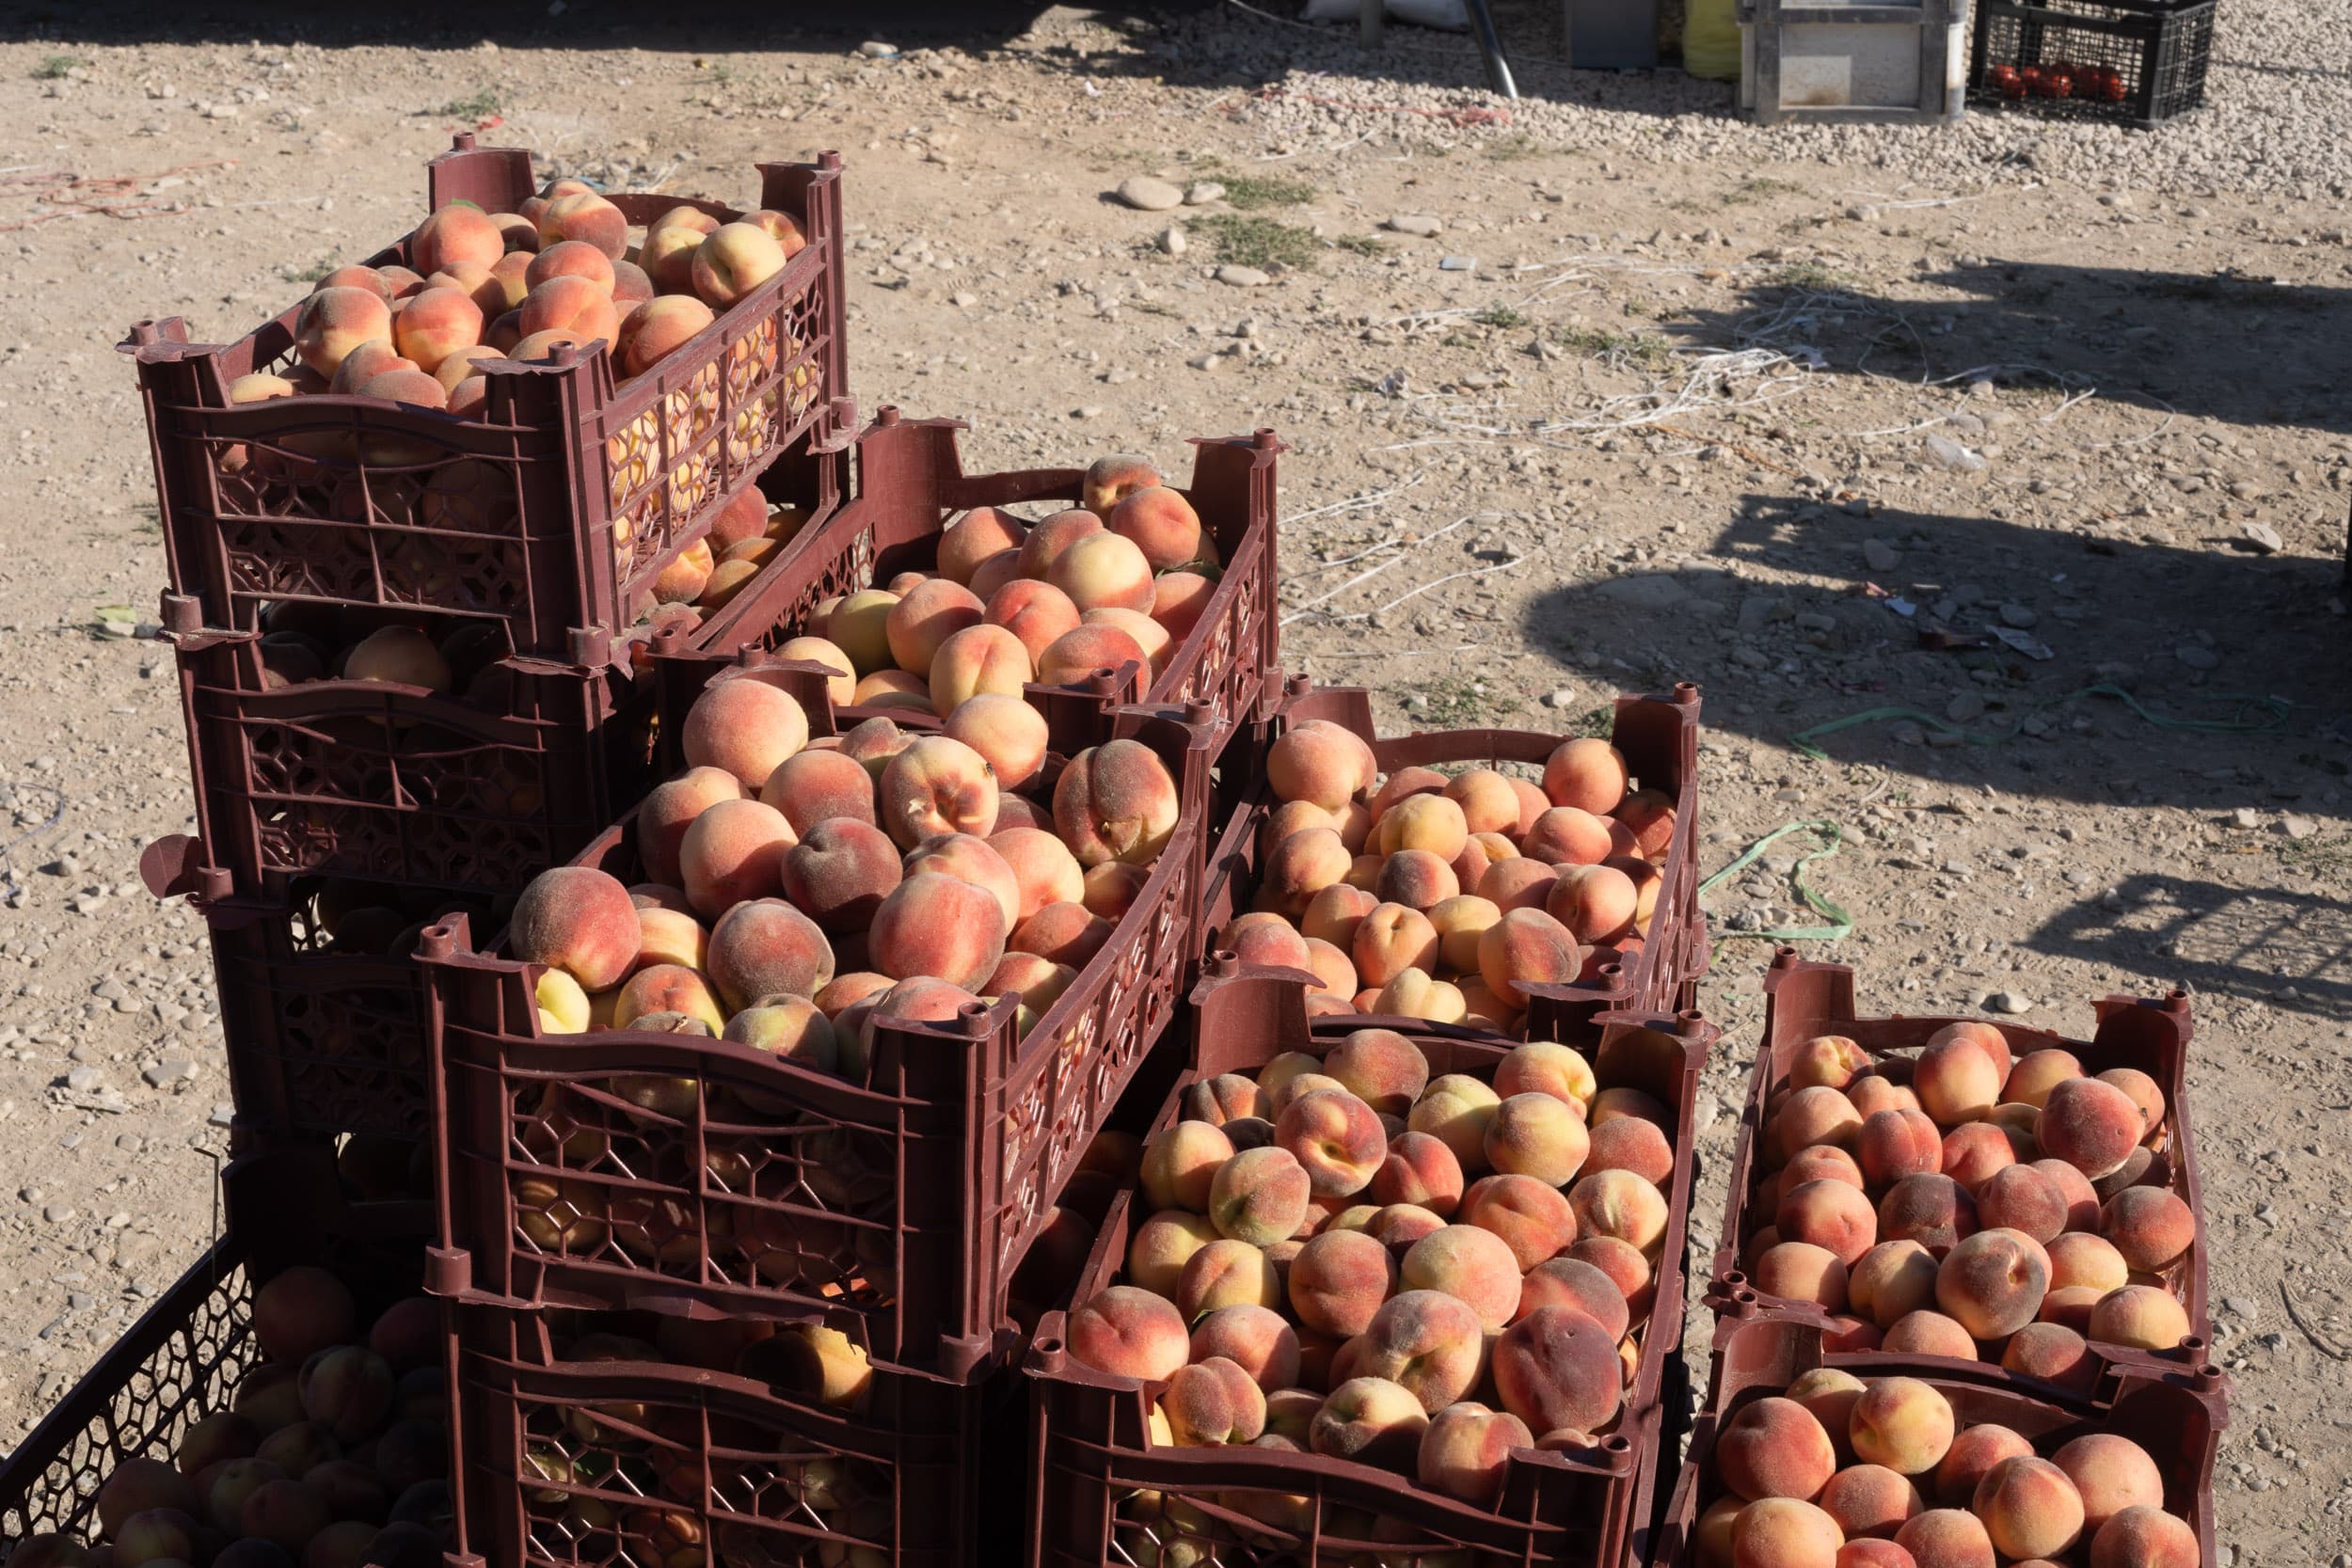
<point x="1839" y="1471"/>
<point x="334" y="1452"/>
<point x="1121" y="578"/>
<point x="1963" y="1204"/>
<point x="517" y="286"/>
<point x="795" y="888"/>
<point x="1351" y="1258"/>
<point x="1428" y="897"/>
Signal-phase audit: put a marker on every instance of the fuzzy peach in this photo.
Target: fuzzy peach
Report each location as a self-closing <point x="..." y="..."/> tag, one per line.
<point x="1383" y="1069"/>
<point x="1874" y="1092"/>
<point x="979" y="660"/>
<point x="1945" y="1538"/>
<point x="456" y="231"/>
<point x="1624" y="1264"/>
<point x="2035" y="1074"/>
<point x="1391" y="939"/>
<point x="1992" y="1283"/>
<point x="1259" y="1195"/>
<point x="1594" y="902"/>
<point x="1266" y="939"/>
<point x="1774" y="1447"/>
<point x="1891" y="1281"/>
<point x="1466" y="1450"/>
<point x="1817" y="1163"/>
<point x="1527" y="947"/>
<point x="1619" y="1203"/>
<point x="2144" y="1317"/>
<point x="1419" y="1169"/>
<point x="768" y="947"/>
<point x="1455" y="1109"/>
<point x="666" y="989"/>
<point x="1103" y="570"/>
<point x="734" y="851"/>
<point x="2053" y="1353"/>
<point x="1470" y="1263"/>
<point x="1799" y="1271"/>
<point x="1929" y="1333"/>
<point x="1957" y="1081"/>
<point x="1893" y="1144"/>
<point x="1372" y="1421"/>
<point x="1588" y="774"/>
<point x="1537" y="1135"/>
<point x="2019" y="1197"/>
<point x="2029" y="1508"/>
<point x="2143" y="1092"/>
<point x="334" y="322"/>
<point x="1527" y="1216"/>
<point x="744" y="727"/>
<point x="937" y="785"/>
<point x="2110" y="1474"/>
<point x="1460" y="923"/>
<point x="1902" y="1423"/>
<point x="734" y="259"/>
<point x="841" y="873"/>
<point x="1428" y="1343"/>
<point x="578" y="920"/>
<point x="1336" y="1138"/>
<point x="939" y="927"/>
<point x="812" y="787"/>
<point x="1828" y="1214"/>
<point x="2144" y="1537"/>
<point x="1416" y="879"/>
<point x="1129" y="1332"/>
<point x="2090" y="1124"/>
<point x="1213" y="1403"/>
<point x="1819" y="1115"/>
<point x="2080" y="1259"/>
<point x="1517" y="883"/>
<point x="1870" y="1500"/>
<point x="1832" y="1061"/>
<point x="1116" y="801"/>
<point x="1931" y="1209"/>
<point x="1180" y="1162"/>
<point x="1321" y="762"/>
<point x="1227" y="1273"/>
<point x="1785" y="1533"/>
<point x="932" y="612"/>
<point x="1338" y="1280"/>
<point x="1161" y="1246"/>
<point x="1566" y="837"/>
<point x="1974" y="1451"/>
<point x="1974" y="1152"/>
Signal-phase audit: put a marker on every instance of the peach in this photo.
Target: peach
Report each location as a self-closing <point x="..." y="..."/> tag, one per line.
<point x="566" y="305"/>
<point x="2110" y="1474"/>
<point x="939" y="927"/>
<point x="1008" y="734"/>
<point x="974" y="536"/>
<point x="1893" y="1280"/>
<point x="1398" y="1226"/>
<point x="1321" y="762"/>
<point x="1102" y="571"/>
<point x="656" y="329"/>
<point x="1957" y="1080"/>
<point x="1072" y="657"/>
<point x="1624" y="1264"/>
<point x="1227" y="1273"/>
<point x="1815" y="1163"/>
<point x="1470" y="1263"/>
<point x="2144" y="1317"/>
<point x="1111" y="479"/>
<point x="1265" y="937"/>
<point x="1517" y="883"/>
<point x="1987" y="1037"/>
<point x="1460" y="923"/>
<point x="1161" y="1247"/>
<point x="931" y="612"/>
<point x="812" y="786"/>
<point x="2144" y="1537"/>
<point x="1227" y="1097"/>
<point x="1391" y="939"/>
<point x="1116" y="801"/>
<point x="1466" y="1450"/>
<point x="572" y="259"/>
<point x="1419" y="1169"/>
<point x="578" y="920"/>
<point x="1212" y="1403"/>
<point x="1828" y="1394"/>
<point x="1902" y="1423"/>
<point x="667" y="988"/>
<point x="1870" y="1500"/>
<point x="1526" y="946"/>
<point x="1975" y="1451"/>
<point x="1335" y="1138"/>
<point x="1129" y="1332"/>
<point x="1594" y="902"/>
<point x="937" y="785"/>
<point x="2029" y="1508"/>
<point x="1416" y="879"/>
<point x="971" y="860"/>
<point x="1831" y="1061"/>
<point x="1992" y="1283"/>
<point x="1112" y="888"/>
<point x="1774" y="1447"/>
<point x="1338" y="1280"/>
<point x="2090" y="1124"/>
<point x="766" y="947"/>
<point x="1815" y="1116"/>
<point x="2053" y="1353"/>
<point x="1578" y="1285"/>
<point x="1050" y="539"/>
<point x="1829" y="1214"/>
<point x="1619" y="1203"/>
<point x="2037" y="1072"/>
<point x="1538" y="1135"/>
<point x="1620" y="1100"/>
<point x="1381" y="1067"/>
<point x="683" y="577"/>
<point x="1527" y="1216"/>
<point x="1298" y="868"/>
<point x="860" y="625"/>
<point x="2080" y="1259"/>
<point x="1039" y="980"/>
<point x="456" y="231"/>
<point x="1372" y="1421"/>
<point x="2143" y="1092"/>
<point x="839" y="873"/>
<point x="2131" y="1173"/>
<point x="334" y="322"/>
<point x="731" y="853"/>
<point x="1893" y="1144"/>
<point x="1785" y="1533"/>
<point x="1566" y="837"/>
<point x="1542" y="1067"/>
<point x="744" y="727"/>
<point x="1486" y="801"/>
<point x="667" y="254"/>
<point x="1799" y="1271"/>
<point x="1147" y="634"/>
<point x="2019" y="1197"/>
<point x="1587" y="774"/>
<point x="1036" y="612"/>
<point x="288" y="1513"/>
<point x="140" y="1486"/>
<point x="1945" y="1538"/>
<point x="1430" y="823"/>
<point x="1428" y="1343"/>
<point x="1180" y="1162"/>
<point x="1252" y="1338"/>
<point x="401" y="655"/>
<point x="733" y="261"/>
<point x="1160" y="523"/>
<point x="1974" y="1152"/>
<point x="1043" y="870"/>
<point x="1260" y="1196"/>
<point x="726" y="580"/>
<point x="1929" y="1333"/>
<point x="1180" y="599"/>
<point x="1874" y="1092"/>
<point x="1455" y="1109"/>
<point x="1931" y="1209"/>
<point x="791" y="1028"/>
<point x="434" y="324"/>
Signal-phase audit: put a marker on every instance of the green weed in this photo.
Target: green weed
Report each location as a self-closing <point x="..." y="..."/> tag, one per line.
<point x="53" y="67"/>
<point x="1257" y="242"/>
<point x="1246" y="192"/>
<point x="482" y="105"/>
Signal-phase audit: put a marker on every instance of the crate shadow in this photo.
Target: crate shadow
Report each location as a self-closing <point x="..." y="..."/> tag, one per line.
<point x="2285" y="949"/>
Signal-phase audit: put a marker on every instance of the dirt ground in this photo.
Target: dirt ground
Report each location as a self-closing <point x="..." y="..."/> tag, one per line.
<point x="1662" y="397"/>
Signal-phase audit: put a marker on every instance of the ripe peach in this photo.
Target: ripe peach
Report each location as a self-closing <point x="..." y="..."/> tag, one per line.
<point x="2143" y="1537"/>
<point x="1893" y="1143"/>
<point x="1566" y="837"/>
<point x="2053" y="1353"/>
<point x="1626" y="1267"/>
<point x="860" y="625"/>
<point x="1049" y="539"/>
<point x="1414" y="994"/>
<point x="2029" y="1508"/>
<point x="1072" y="657"/>
<point x="1103" y="570"/>
<point x="931" y="612"/>
<point x="1129" y="1332"/>
<point x="1414" y="879"/>
<point x="1472" y="1264"/>
<point x="1870" y="1500"/>
<point x="2110" y="1474"/>
<point x="1774" y="1447"/>
<point x="733" y="261"/>
<point x="2019" y="1197"/>
<point x="1832" y="1061"/>
<point x="1815" y="1163"/>
<point x="1527" y="1216"/>
<point x="1992" y="1283"/>
<point x="839" y="873"/>
<point x="2090" y="1124"/>
<point x="1259" y="1195"/>
<point x="335" y="320"/>
<point x="1162" y="1245"/>
<point x="1227" y="1274"/>
<point x="1621" y="1100"/>
<point x="731" y="853"/>
<point x="1785" y="1533"/>
<point x="1297" y="868"/>
<point x="1180" y="599"/>
<point x="1253" y="1339"/>
<point x="1931" y="1209"/>
<point x="1587" y="774"/>
<point x="1428" y="1343"/>
<point x="1465" y="1449"/>
<point x="1161" y="523"/>
<point x="1419" y="1169"/>
<point x="1874" y="1092"/>
<point x="1111" y="479"/>
<point x="1902" y="1423"/>
<point x="1945" y="1538"/>
<point x="1009" y="734"/>
<point x="1893" y="1280"/>
<point x="1594" y="902"/>
<point x="1381" y="1067"/>
<point x="1116" y="801"/>
<point x="288" y="1513"/>
<point x="1338" y="1280"/>
<point x="1815" y="1116"/>
<point x="1799" y="1271"/>
<point x="2081" y="1258"/>
<point x="2143" y="1092"/>
<point x="456" y="231"/>
<point x="941" y="927"/>
<point x="1975" y="1451"/>
<point x="578" y="920"/>
<point x="1973" y="1151"/>
<point x="1390" y="940"/>
<point x="1957" y="1080"/>
<point x="1321" y="762"/>
<point x="663" y="988"/>
<point x="791" y="1028"/>
<point x="971" y="860"/>
<point x="1179" y="1163"/>
<point x="1263" y="938"/>
<point x="974" y="536"/>
<point x="1335" y="1138"/>
<point x="1527" y="947"/>
<point x="656" y="329"/>
<point x="434" y="324"/>
<point x="569" y="305"/>
<point x="1372" y="1421"/>
<point x="1619" y="1203"/>
<point x="937" y="785"/>
<point x="1542" y="1067"/>
<point x="1455" y="1109"/>
<point x="1539" y="1135"/>
<point x="1517" y="883"/>
<point x="766" y="947"/>
<point x="1036" y="612"/>
<point x="2144" y="1317"/>
<point x="1212" y="1403"/>
<point x="746" y="727"/>
<point x="2038" y="1073"/>
<point x="685" y="576"/>
<point x="1831" y="1214"/>
<point x="979" y="660"/>
<point x="1460" y="923"/>
<point x="812" y="787"/>
<point x="1927" y="1333"/>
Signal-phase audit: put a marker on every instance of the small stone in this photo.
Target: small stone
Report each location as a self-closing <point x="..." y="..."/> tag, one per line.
<point x="963" y="299"/>
<point x="2018" y="615"/>
<point x="2197" y="658"/>
<point x="1560" y="697"/>
<point x="1149" y="195"/>
<point x="84" y="1080"/>
<point x="1173" y="240"/>
<point x="171" y="1070"/>
<point x="1910" y="734"/>
<point x="1207" y="362"/>
<point x="2245" y="816"/>
<point x="2008" y="1002"/>
<point x="1965" y="707"/>
<point x="1952" y="455"/>
<point x="1457" y="263"/>
<point x="1201" y="192"/>
<point x="57" y="1214"/>
<point x="1422" y="225"/>
<point x="2297" y="827"/>
<point x="1090" y="411"/>
<point x="2242" y="1305"/>
<point x="1242" y="277"/>
<point x="1880" y="556"/>
<point x="2259" y="538"/>
<point x="874" y="49"/>
<point x="223" y="1114"/>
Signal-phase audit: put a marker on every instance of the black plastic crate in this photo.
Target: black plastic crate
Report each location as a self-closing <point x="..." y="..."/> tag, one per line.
<point x="2129" y="62"/>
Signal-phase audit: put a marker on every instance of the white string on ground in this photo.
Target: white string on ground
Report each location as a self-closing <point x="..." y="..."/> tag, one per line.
<point x="1405" y="548"/>
<point x="1358" y="503"/>
<point x="1440" y="582"/>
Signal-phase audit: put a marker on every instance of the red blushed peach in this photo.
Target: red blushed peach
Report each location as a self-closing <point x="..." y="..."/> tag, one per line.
<point x="1974" y="1152"/>
<point x="1400" y="1225"/>
<point x="667" y="988"/>
<point x="1036" y="612"/>
<point x="1420" y="1170"/>
<point x="1631" y="1144"/>
<point x="1129" y="1332"/>
<point x="1984" y="1036"/>
<point x="670" y="808"/>
<point x="744" y="727"/>
<point x="1566" y="837"/>
<point x="1587" y="774"/>
<point x="1828" y="1395"/>
<point x="1593" y="901"/>
<point x="1227" y="1274"/>
<point x="1619" y="1203"/>
<point x="1711" y="1536"/>
<point x="1945" y="1538"/>
<point x="1066" y="933"/>
<point x="1039" y="980"/>
<point x="1102" y="571"/>
<point x="2081" y="1258"/>
<point x="1872" y="1093"/>
<point x="973" y="538"/>
<point x="1414" y="879"/>
<point x="1116" y="801"/>
<point x="2142" y="1537"/>
<point x="1371" y="1421"/>
<point x="731" y="853"/>
<point x="1043" y="869"/>
<point x="2091" y="1125"/>
<point x="1902" y="1423"/>
<point x="1992" y="1282"/>
<point x="2029" y="1509"/>
<point x="2037" y="1072"/>
<point x="1111" y="479"/>
<point x="1815" y="1116"/>
<point x="849" y="990"/>
<point x="334" y="322"/>
<point x="1320" y="762"/>
<point x="2131" y="1173"/>
<point x="1112" y="888"/>
<point x="1620" y="1101"/>
<point x="685" y="576"/>
<point x="2019" y="1197"/>
<point x="766" y="947"/>
<point x="1870" y="1552"/>
<point x="1266" y="939"/>
<point x="977" y="660"/>
<point x="1517" y="883"/>
<point x="1253" y="1339"/>
<point x="938" y="926"/>
<point x="1784" y="1533"/>
<point x="841" y="872"/>
<point x="1819" y="1163"/>
<point x="931" y="612"/>
<point x="1530" y="1217"/>
<point x="658" y="328"/>
<point x="2149" y="1228"/>
<point x="2143" y="1092"/>
<point x="811" y="786"/>
<point x="971" y="860"/>
<point x="1798" y="1271"/>
<point x="1931" y="1209"/>
<point x="2110" y="1474"/>
<point x="1008" y="734"/>
<point x="1774" y="1447"/>
<point x="1893" y="1143"/>
<point x="1828" y="1214"/>
<point x="1539" y="1135"/>
<point x="1527" y="947"/>
<point x="1427" y="1342"/>
<point x="1454" y="1110"/>
<point x="1542" y="1067"/>
<point x="1400" y="786"/>
<point x="667" y="254"/>
<point x="937" y="786"/>
<point x="1161" y="523"/>
<point x="1832" y="1061"/>
<point x="1299" y="868"/>
<point x="578" y="920"/>
<point x="457" y="231"/>
<point x="1050" y="539"/>
<point x="1227" y="1097"/>
<point x="572" y="304"/>
<point x="434" y="324"/>
<point x="1578" y="1285"/>
<point x="2054" y="1353"/>
<point x="1957" y="1080"/>
<point x="734" y="259"/>
<point x="1381" y="1067"/>
<point x="1335" y="972"/>
<point x="1073" y="658"/>
<point x="1338" y="1280"/>
<point x="2144" y="1317"/>
<point x="1927" y="1333"/>
<point x="1414" y="994"/>
<point x="1974" y="1452"/>
<point x="1626" y="1267"/>
<point x="1470" y="1263"/>
<point x="1213" y="1403"/>
<point x="1893" y="1280"/>
<point x="1870" y="1500"/>
<point x="1336" y="1138"/>
<point x="1390" y="940"/>
<point x="571" y="258"/>
<point x="1178" y="600"/>
<point x="1161" y="1247"/>
<point x="1259" y="1195"/>
<point x="1465" y="1449"/>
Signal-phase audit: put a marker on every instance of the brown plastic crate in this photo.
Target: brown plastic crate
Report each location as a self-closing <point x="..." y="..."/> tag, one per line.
<point x="1097" y="1479"/>
<point x="1660" y="739"/>
<point x="184" y="1359"/>
<point x="566" y="1463"/>
<point x="896" y="1207"/>
<point x="554" y="512"/>
<point x="910" y="484"/>
<point x="1803" y="999"/>
<point x="2177" y="1418"/>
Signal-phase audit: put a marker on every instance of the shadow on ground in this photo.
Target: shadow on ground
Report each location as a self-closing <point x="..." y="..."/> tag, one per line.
<point x="2270" y="944"/>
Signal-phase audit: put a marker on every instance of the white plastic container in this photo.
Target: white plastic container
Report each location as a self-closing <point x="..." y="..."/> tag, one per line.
<point x="1883" y="62"/>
